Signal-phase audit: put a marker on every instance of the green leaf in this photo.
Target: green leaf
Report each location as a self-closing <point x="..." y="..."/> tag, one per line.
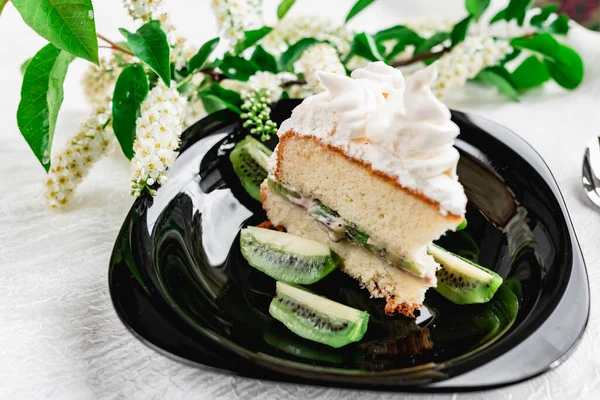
<point x="365" y="46"/>
<point x="358" y="7"/>
<point x="213" y="103"/>
<point x="24" y="66"/>
<point x="476" y="8"/>
<point x="531" y="73"/>
<point x="199" y="60"/>
<point x="497" y="80"/>
<point x="514" y="54"/>
<point x="545" y="12"/>
<point x="149" y="44"/>
<point x="67" y="24"/>
<point x="238" y="68"/>
<point x="400" y="33"/>
<point x="294" y="52"/>
<point x="560" y="25"/>
<point x="432" y="42"/>
<point x="541" y="43"/>
<point x="130" y="91"/>
<point x="501" y="15"/>
<point x="231" y="97"/>
<point x="251" y="38"/>
<point x="403" y="37"/>
<point x="459" y="32"/>
<point x="284" y="7"/>
<point x="568" y="70"/>
<point x="517" y="9"/>
<point x="2" y="4"/>
<point x="41" y="98"/>
<point x="502" y="71"/>
<point x="265" y="60"/>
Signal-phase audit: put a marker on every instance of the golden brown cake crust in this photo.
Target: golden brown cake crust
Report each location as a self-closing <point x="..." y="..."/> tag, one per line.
<point x="392" y="306"/>
<point x="388" y="178"/>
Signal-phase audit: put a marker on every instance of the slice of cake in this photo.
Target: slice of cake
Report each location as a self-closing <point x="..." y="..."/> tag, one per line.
<point x="368" y="167"/>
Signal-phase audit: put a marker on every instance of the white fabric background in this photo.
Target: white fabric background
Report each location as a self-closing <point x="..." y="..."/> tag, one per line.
<point x="59" y="335"/>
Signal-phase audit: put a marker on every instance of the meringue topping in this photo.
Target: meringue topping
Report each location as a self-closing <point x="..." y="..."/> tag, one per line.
<point x="398" y="127"/>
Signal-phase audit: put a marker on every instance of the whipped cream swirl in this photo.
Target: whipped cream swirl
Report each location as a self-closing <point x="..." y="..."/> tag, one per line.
<point x="398" y="127"/>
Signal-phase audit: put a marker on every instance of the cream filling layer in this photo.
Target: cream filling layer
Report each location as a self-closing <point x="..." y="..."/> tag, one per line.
<point x="338" y="228"/>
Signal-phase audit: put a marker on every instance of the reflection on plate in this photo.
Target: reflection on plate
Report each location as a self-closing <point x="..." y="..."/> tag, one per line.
<point x="180" y="283"/>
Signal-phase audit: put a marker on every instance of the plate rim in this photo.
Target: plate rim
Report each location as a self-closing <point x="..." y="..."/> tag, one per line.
<point x="577" y="262"/>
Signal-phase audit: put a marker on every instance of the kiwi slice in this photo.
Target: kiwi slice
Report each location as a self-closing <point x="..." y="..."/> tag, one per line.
<point x="338" y="228"/>
<point x="316" y="318"/>
<point x="462" y="281"/>
<point x="250" y="160"/>
<point x="286" y="257"/>
<point x="462" y="225"/>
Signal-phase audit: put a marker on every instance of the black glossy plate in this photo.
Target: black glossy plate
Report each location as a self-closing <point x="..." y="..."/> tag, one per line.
<point x="179" y="283"/>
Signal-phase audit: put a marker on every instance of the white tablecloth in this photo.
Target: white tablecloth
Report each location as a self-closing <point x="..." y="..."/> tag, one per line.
<point x="61" y="338"/>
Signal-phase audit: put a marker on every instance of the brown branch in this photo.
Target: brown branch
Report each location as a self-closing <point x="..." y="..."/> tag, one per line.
<point x="295" y="82"/>
<point x="114" y="45"/>
<point x="420" y="57"/>
<point x="215" y="75"/>
<point x="218" y="76"/>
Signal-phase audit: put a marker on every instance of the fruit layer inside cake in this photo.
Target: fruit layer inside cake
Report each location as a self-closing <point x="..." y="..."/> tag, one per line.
<point x="368" y="167"/>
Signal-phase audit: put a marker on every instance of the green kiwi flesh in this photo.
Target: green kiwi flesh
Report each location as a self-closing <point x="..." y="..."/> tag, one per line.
<point x="286" y="257"/>
<point x="250" y="160"/>
<point x="339" y="228"/>
<point x="462" y="281"/>
<point x="316" y="318"/>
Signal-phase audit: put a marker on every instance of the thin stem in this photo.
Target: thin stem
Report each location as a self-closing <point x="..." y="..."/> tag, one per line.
<point x="114" y="46"/>
<point x="291" y="83"/>
<point x="216" y="76"/>
<point x="185" y="80"/>
<point x="420" y="57"/>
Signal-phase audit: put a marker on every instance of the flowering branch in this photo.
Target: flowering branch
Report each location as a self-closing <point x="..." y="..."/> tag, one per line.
<point x="113" y="45"/>
<point x="160" y="85"/>
<point x="420" y="57"/>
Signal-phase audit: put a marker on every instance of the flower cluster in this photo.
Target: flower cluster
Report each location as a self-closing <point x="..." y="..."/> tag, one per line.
<point x="236" y="16"/>
<point x="270" y="82"/>
<point x="99" y="82"/>
<point x="143" y="10"/>
<point x="257" y="113"/>
<point x="292" y="29"/>
<point x="146" y="10"/>
<point x="319" y="57"/>
<point x="158" y="132"/>
<point x="466" y="60"/>
<point x="70" y="166"/>
<point x="428" y="26"/>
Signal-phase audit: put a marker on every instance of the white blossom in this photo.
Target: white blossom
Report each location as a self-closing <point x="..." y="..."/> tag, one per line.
<point x="428" y="26"/>
<point x="99" y="82"/>
<point x="71" y="165"/>
<point x="143" y="10"/>
<point x="292" y="29"/>
<point x="233" y="84"/>
<point x="466" y="60"/>
<point x="319" y="57"/>
<point x="236" y="16"/>
<point x="158" y="132"/>
<point x="146" y="10"/>
<point x="195" y="111"/>
<point x="268" y="81"/>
